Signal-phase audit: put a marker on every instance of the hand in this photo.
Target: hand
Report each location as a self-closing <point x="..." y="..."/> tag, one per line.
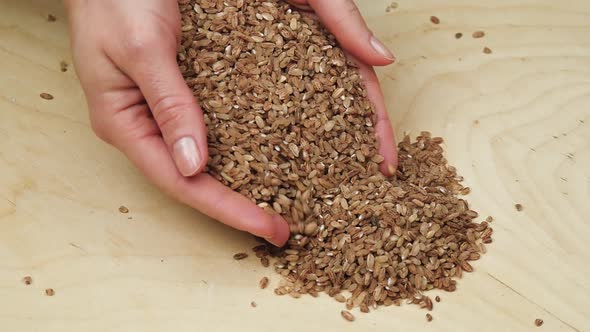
<point x="125" y="57"/>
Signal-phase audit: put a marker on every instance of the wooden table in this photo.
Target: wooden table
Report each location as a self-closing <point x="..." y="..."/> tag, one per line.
<point x="516" y="124"/>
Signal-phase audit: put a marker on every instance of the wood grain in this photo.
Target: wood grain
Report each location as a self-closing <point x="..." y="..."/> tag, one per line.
<point x="516" y="124"/>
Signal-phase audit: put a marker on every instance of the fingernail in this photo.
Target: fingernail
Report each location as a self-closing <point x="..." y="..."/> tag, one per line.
<point x="186" y="156"/>
<point x="391" y="170"/>
<point x="281" y="231"/>
<point x="381" y="48"/>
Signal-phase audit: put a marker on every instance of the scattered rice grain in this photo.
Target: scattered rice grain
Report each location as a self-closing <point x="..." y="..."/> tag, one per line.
<point x="347" y="315"/>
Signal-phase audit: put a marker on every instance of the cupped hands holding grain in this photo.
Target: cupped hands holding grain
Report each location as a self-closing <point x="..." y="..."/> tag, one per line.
<point x="125" y="56"/>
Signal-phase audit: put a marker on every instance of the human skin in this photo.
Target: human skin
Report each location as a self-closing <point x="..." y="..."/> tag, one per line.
<point x="125" y="57"/>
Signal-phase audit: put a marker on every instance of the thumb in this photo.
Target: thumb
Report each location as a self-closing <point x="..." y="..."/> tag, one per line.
<point x="174" y="108"/>
<point x="344" y="20"/>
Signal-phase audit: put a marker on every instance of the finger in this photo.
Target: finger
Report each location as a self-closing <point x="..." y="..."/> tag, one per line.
<point x="173" y="106"/>
<point x="383" y="128"/>
<point x="344" y="20"/>
<point x="202" y="192"/>
<point x="206" y="194"/>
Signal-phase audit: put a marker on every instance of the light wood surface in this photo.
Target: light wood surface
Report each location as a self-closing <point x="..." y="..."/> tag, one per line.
<point x="516" y="124"/>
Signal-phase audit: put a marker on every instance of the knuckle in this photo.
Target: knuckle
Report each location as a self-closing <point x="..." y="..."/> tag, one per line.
<point x="141" y="40"/>
<point x="123" y="126"/>
<point x="340" y="23"/>
<point x="138" y="45"/>
<point x="171" y="111"/>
